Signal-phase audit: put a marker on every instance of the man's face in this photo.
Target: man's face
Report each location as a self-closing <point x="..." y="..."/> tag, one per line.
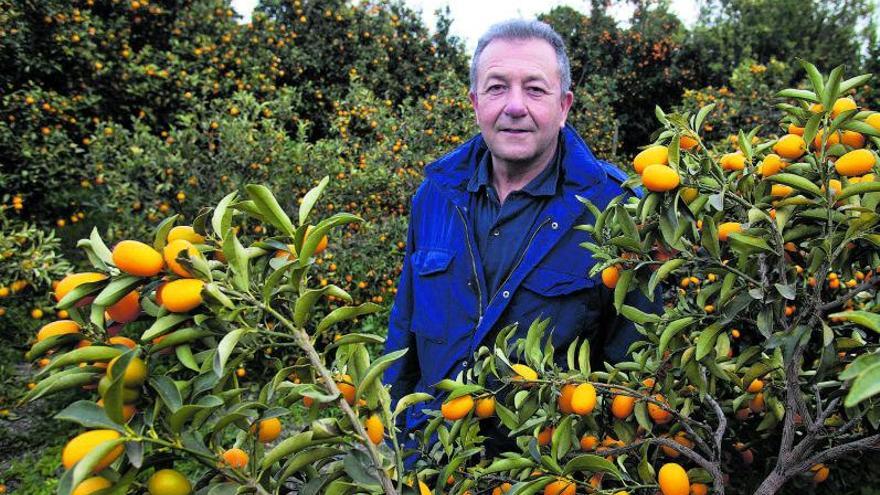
<point x="518" y="101"/>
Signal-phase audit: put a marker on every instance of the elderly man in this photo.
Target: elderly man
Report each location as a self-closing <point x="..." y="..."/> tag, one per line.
<point x="491" y="237"/>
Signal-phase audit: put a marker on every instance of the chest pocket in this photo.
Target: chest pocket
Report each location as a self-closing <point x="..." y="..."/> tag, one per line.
<point x="432" y="287"/>
<point x="571" y="301"/>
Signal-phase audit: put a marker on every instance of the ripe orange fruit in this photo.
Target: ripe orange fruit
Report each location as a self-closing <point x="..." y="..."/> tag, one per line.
<point x="584" y="399"/>
<point x="771" y="165"/>
<point x="457" y="408"/>
<point x="589" y="442"/>
<point x="82" y="444"/>
<point x="235" y="458"/>
<point x="686" y="143"/>
<point x="756" y="405"/>
<point x="137" y="258"/>
<point x="119" y="340"/>
<point x="699" y="489"/>
<point x="727" y="228"/>
<point x="564" y="401"/>
<point x="680" y="439"/>
<point x="673" y="480"/>
<point x="269" y="429"/>
<point x="688" y="194"/>
<point x="856" y="162"/>
<point x="128" y="410"/>
<point x="545" y="435"/>
<point x="172" y="250"/>
<point x="92" y="485"/>
<point x="832" y="139"/>
<point x="610" y="276"/>
<point x="780" y="190"/>
<point x="375" y="429"/>
<point x="756" y="386"/>
<point x="345" y="385"/>
<point x="843" y="105"/>
<point x="790" y="146"/>
<point x="502" y="489"/>
<point x="817" y="108"/>
<point x="660" y="178"/>
<point x="820" y="472"/>
<point x="650" y="156"/>
<point x="657" y="413"/>
<point x="485" y="407"/>
<point x="524" y="373"/>
<point x="74" y="280"/>
<point x="180" y="296"/>
<point x="560" y="487"/>
<point x="733" y="161"/>
<point x="622" y="406"/>
<point x="60" y="327"/>
<point x="126" y="309"/>
<point x="853" y="139"/>
<point x="168" y="482"/>
<point x="322" y="244"/>
<point x="874" y="120"/>
<point x="185" y="232"/>
<point x="135" y="374"/>
<point x="793" y="129"/>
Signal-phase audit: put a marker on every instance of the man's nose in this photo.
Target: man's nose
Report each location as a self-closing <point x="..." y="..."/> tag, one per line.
<point x="515" y="105"/>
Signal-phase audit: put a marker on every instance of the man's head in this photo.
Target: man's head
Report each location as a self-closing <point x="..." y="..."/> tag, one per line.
<point x="520" y="91"/>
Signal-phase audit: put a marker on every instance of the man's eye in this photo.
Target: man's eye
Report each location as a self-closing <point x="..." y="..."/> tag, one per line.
<point x="495" y="88"/>
<point x="536" y="90"/>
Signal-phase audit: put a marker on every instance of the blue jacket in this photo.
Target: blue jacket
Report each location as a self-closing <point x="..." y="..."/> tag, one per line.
<point x="442" y="316"/>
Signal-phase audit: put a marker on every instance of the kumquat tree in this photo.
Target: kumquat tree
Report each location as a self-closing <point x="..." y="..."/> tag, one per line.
<point x="762" y="373"/>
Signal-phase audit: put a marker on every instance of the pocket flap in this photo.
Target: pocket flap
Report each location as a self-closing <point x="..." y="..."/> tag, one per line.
<point x="431" y="261"/>
<point x="554" y="283"/>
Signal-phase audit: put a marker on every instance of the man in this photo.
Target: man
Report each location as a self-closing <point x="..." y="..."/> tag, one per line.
<point x="491" y="239"/>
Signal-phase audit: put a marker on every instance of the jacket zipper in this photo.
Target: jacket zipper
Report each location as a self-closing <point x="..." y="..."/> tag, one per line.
<point x="473" y="266"/>
<point x="521" y="256"/>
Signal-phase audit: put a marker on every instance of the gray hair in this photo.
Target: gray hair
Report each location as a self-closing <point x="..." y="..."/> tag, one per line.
<point x="521" y="29"/>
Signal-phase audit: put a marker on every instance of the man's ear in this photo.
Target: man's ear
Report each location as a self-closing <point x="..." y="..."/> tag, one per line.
<point x="567" y="101"/>
<point x="472" y="96"/>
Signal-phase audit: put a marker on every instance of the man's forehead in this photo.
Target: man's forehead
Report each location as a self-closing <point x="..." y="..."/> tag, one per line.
<point x="534" y="52"/>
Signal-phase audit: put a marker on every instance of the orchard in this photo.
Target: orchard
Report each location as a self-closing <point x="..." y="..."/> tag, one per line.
<point x="764" y="359"/>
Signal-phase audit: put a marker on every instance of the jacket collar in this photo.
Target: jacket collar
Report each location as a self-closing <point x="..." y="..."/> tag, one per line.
<point x="581" y="172"/>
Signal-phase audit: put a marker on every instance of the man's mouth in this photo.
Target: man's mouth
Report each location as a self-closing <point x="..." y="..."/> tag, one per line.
<point x="516" y="131"/>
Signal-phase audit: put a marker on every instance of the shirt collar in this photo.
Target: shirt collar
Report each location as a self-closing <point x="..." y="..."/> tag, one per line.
<point x="544" y="184"/>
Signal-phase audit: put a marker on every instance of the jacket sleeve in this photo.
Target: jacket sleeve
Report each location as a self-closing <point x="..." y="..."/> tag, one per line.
<point x="619" y="332"/>
<point x="404" y="373"/>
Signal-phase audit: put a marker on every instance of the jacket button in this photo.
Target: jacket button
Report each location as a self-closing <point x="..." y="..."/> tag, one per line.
<point x="505" y="294"/>
<point x="554" y="225"/>
<point x="496" y="233"/>
<point x="464" y="364"/>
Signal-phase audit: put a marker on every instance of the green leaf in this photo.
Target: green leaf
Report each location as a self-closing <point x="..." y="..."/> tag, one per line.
<point x="309" y="200"/>
<point x="798" y="94"/>
<point x="116" y="290"/>
<point x="409" y="400"/>
<point x="79" y="292"/>
<point x="560" y="442"/>
<point x="114" y="395"/>
<point x="634" y="314"/>
<point x="622" y="288"/>
<point x="709" y="237"/>
<point x="168" y="392"/>
<point x="355" y="338"/>
<point x="815" y="78"/>
<point x="533" y="352"/>
<point x="88" y="414"/>
<point x="748" y="244"/>
<point x="701" y="116"/>
<point x="225" y="348"/>
<point x="858" y="189"/>
<point x="161" y="235"/>
<point x="832" y="88"/>
<point x="45" y="345"/>
<point x="812" y="127"/>
<point x="706" y="340"/>
<point x="287" y="447"/>
<point x="182" y="336"/>
<point x="861" y="127"/>
<point x="67" y="379"/>
<point x="507" y="465"/>
<point x="626" y="223"/>
<point x="221" y="221"/>
<point x="162" y="325"/>
<point x="854" y="82"/>
<point x="269" y="207"/>
<point x="82" y="355"/>
<point x="307" y="299"/>
<point x="671" y="331"/>
<point x="796" y="181"/>
<point x="865" y="386"/>
<point x="185" y="413"/>
<point x="863" y="318"/>
<point x="591" y="463"/>
<point x="665" y="269"/>
<point x="237" y="259"/>
<point x="376" y="369"/>
<point x="314" y="238"/>
<point x="346" y="313"/>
